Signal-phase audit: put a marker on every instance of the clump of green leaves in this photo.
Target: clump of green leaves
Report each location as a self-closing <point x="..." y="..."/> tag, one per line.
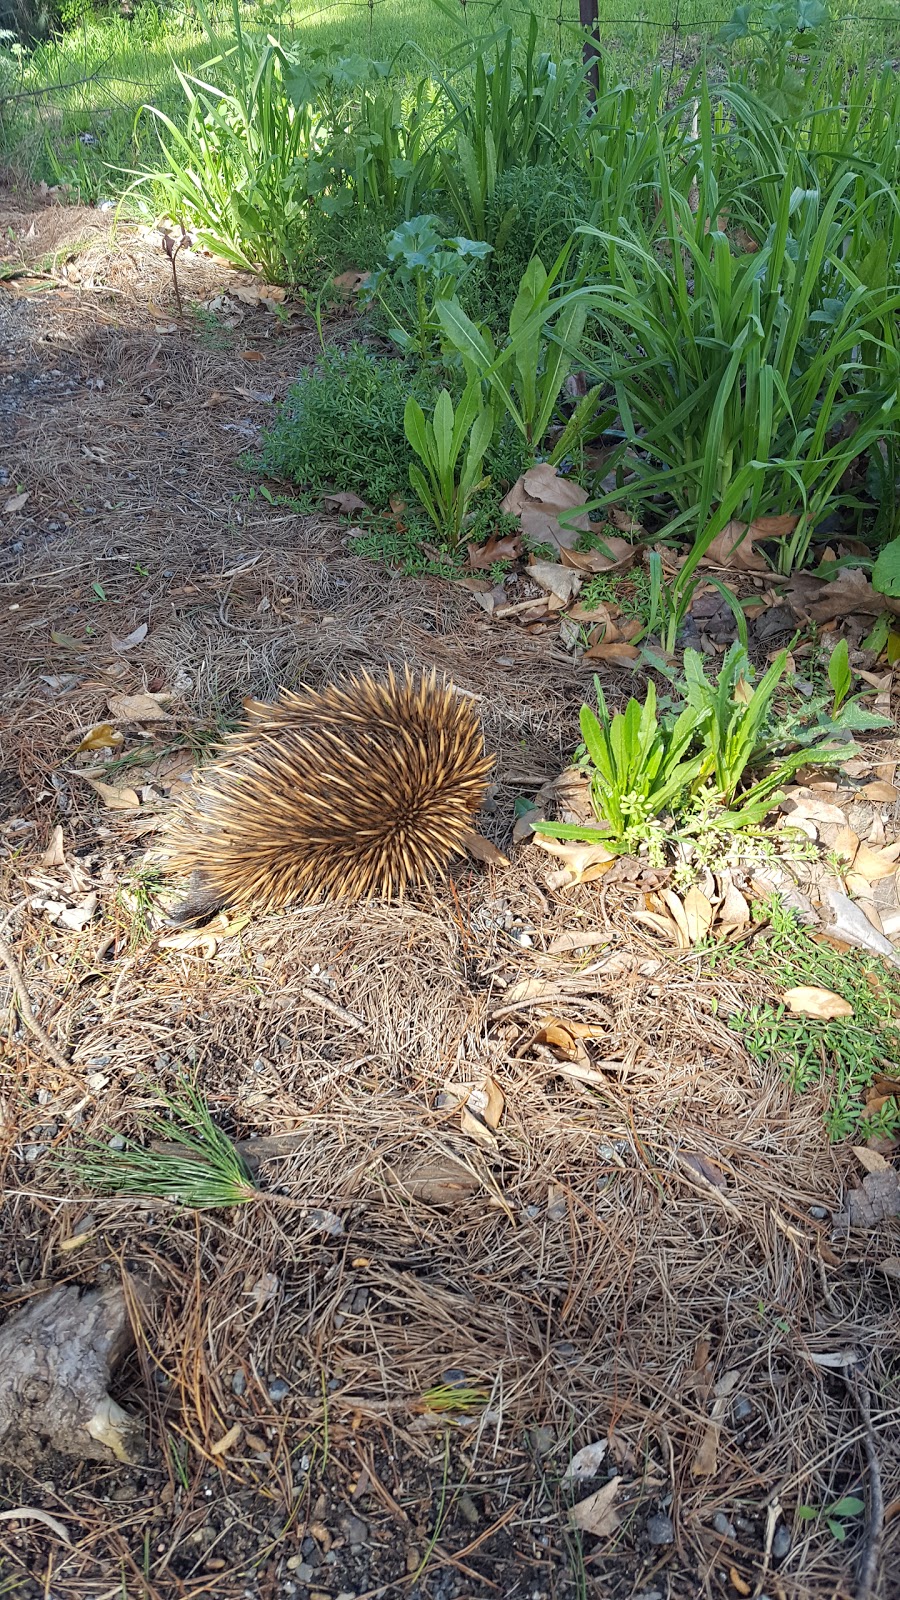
<point x="713" y="758"/>
<point x="451" y="446"/>
<point x="834" y="1516"/>
<point x="424" y="268"/>
<point x="846" y="1054"/>
<point x="205" y="1169"/>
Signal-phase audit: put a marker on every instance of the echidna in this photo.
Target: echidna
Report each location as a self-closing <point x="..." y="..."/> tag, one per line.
<point x="355" y="791"/>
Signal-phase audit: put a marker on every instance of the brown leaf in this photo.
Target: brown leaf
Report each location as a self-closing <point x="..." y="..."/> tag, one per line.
<point x="706" y="1169"/>
<point x="625" y="522"/>
<point x="55" y="853"/>
<point x="113" y="798"/>
<point x="706" y="1461"/>
<point x="555" y="579"/>
<point x="616" y="556"/>
<point x="481" y="849"/>
<point x="138" y="707"/>
<point x="845" y="844"/>
<point x="135" y="638"/>
<point x="698" y="915"/>
<point x="582" y="861"/>
<point x="345" y="501"/>
<point x="482" y="556"/>
<point x="539" y="497"/>
<point x="890" y="1266"/>
<point x="624" y="654"/>
<point x="733" y="909"/>
<point x="809" y="1001"/>
<point x="872" y="1160"/>
<point x="850" y="591"/>
<point x="881" y="791"/>
<point x="103" y="737"/>
<point x="347" y="283"/>
<point x="597" y="1514"/>
<point x="874" y="864"/>
<point x="660" y="924"/>
<point x="474" y="1128"/>
<point x="227" y="1441"/>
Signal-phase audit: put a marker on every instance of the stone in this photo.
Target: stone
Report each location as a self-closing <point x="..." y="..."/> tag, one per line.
<point x="355" y="1530"/>
<point x="660" y="1530"/>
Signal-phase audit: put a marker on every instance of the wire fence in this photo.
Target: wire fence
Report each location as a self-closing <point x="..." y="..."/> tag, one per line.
<point x="675" y="36"/>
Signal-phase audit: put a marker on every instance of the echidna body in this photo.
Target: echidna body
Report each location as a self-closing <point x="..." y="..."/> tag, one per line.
<point x="356" y="791"/>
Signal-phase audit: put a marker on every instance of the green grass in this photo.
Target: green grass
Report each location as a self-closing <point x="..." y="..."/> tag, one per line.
<point x="92" y="79"/>
<point x="844" y="1056"/>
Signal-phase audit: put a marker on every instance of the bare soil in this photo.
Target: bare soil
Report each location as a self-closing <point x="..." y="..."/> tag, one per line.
<point x="644" y="1252"/>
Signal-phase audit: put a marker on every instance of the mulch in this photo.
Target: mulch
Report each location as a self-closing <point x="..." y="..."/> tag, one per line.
<point x="640" y="1253"/>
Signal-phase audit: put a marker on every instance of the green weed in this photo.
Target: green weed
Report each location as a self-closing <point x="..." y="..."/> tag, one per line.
<point x="844" y="1055"/>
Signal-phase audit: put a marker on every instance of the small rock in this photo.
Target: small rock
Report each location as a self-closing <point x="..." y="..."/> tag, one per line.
<point x="238" y="1383"/>
<point x="33" y="1151"/>
<point x="723" y="1526"/>
<point x="117" y="1142"/>
<point x="781" y="1543"/>
<point x="303" y="1571"/>
<point x="468" y="1510"/>
<point x="819" y="1213"/>
<point x="742" y="1408"/>
<point x="660" y="1529"/>
<point x="355" y="1530"/>
<point x="278" y="1388"/>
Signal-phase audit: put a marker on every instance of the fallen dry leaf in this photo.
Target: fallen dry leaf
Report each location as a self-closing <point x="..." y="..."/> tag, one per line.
<point x="136" y="637"/>
<point x="229" y="1439"/>
<point x="881" y="791"/>
<point x="586" y="1463"/>
<point x="103" y="737"/>
<point x="345" y="501"/>
<point x="891" y="1266"/>
<point x="138" y="707"/>
<point x="617" y="555"/>
<point x="482" y="556"/>
<point x="808" y="1001"/>
<point x="704" y="1168"/>
<point x="597" y="1514"/>
<point x="482" y="849"/>
<point x="581" y="862"/>
<point x="706" y="1461"/>
<point x="19" y="500"/>
<point x="735" y="546"/>
<point x="35" y="1514"/>
<point x="877" y="1200"/>
<point x="874" y="864"/>
<point x="55" y="853"/>
<point x="851" y="926"/>
<point x="476" y="1129"/>
<point x="347" y="283"/>
<point x="614" y="650"/>
<point x="698" y="915"/>
<point x="113" y="798"/>
<point x="872" y="1160"/>
<point x="733" y="910"/>
<point x="556" y="579"/>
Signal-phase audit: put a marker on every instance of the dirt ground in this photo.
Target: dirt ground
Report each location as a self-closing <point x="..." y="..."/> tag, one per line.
<point x="642" y="1255"/>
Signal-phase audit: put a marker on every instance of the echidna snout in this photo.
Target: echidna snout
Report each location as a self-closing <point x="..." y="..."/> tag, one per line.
<point x="359" y="790"/>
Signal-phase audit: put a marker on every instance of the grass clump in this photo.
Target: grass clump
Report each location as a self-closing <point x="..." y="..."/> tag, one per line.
<point x="204" y="1171"/>
<point x="846" y="1055"/>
